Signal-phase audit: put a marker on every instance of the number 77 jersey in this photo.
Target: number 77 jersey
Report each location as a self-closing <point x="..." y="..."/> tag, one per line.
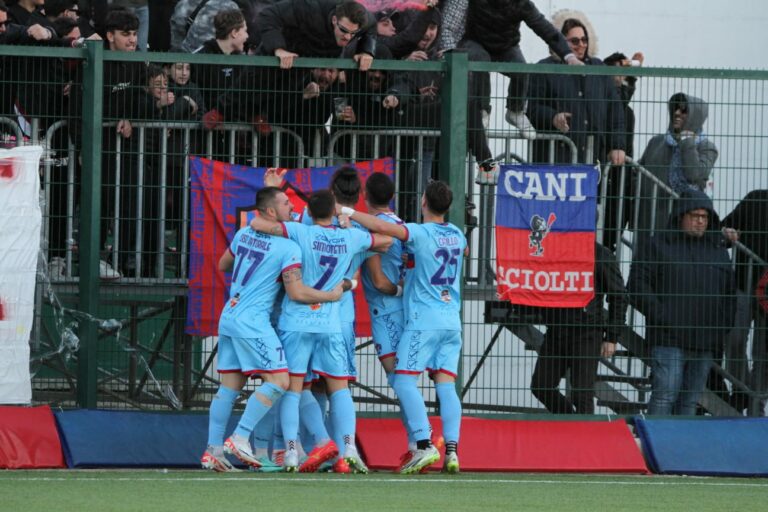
<point x="432" y="295"/>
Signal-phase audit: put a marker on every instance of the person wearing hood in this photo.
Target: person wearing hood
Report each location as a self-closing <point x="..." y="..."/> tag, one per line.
<point x="581" y="107"/>
<point x="683" y="282"/>
<point x="682" y="158"/>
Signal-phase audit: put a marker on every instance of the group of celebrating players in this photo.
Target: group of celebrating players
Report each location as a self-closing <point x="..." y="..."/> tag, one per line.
<point x="289" y="320"/>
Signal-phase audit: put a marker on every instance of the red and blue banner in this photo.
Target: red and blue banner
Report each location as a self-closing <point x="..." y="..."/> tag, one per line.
<point x="545" y="234"/>
<point x="223" y="197"/>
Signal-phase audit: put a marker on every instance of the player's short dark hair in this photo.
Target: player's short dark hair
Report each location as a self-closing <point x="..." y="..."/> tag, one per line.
<point x="380" y="189"/>
<point x="346" y="185"/>
<point x="353" y="11"/>
<point x="3" y="7"/>
<point x="322" y="204"/>
<point x="226" y="21"/>
<point x="63" y="25"/>
<point x="265" y="198"/>
<point x="439" y="197"/>
<point x="121" y="19"/>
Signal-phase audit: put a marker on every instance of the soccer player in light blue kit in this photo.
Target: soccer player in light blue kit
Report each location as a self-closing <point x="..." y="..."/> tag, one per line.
<point x="346" y="187"/>
<point x="432" y="337"/>
<point x="315" y="331"/>
<point x="248" y="345"/>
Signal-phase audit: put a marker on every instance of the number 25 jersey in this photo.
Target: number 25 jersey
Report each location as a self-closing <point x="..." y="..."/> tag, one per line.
<point x="432" y="295"/>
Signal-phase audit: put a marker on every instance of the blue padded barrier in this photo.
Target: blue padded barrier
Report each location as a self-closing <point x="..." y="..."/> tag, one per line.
<point x="133" y="439"/>
<point x="706" y="446"/>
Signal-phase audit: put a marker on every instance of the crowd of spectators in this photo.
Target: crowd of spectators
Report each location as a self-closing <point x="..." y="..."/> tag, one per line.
<point x="592" y="111"/>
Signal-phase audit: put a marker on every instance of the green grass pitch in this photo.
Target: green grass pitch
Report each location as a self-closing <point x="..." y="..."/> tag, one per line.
<point x="187" y="491"/>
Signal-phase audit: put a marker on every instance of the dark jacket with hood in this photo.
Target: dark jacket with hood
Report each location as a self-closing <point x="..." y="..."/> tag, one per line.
<point x="305" y="27"/>
<point x="698" y="156"/>
<point x="495" y="24"/>
<point x="684" y="284"/>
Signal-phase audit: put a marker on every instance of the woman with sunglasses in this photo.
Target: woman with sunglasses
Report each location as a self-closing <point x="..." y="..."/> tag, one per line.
<point x="583" y="107"/>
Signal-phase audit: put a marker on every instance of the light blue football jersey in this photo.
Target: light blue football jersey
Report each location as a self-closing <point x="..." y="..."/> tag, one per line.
<point x="328" y="252"/>
<point x="347" y="302"/>
<point x="393" y="268"/>
<point x="260" y="260"/>
<point x="432" y="292"/>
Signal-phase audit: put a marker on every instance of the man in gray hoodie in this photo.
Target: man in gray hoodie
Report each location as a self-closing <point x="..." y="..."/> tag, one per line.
<point x="682" y="159"/>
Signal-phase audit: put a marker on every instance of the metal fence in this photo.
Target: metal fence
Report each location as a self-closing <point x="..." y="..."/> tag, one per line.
<point x="121" y="205"/>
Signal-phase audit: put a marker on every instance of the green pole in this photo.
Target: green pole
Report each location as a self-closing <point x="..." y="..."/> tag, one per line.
<point x="453" y="144"/>
<point x="90" y="211"/>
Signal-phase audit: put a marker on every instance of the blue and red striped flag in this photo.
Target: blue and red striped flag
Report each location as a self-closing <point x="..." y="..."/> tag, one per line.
<point x="545" y="234"/>
<point x="223" y="197"/>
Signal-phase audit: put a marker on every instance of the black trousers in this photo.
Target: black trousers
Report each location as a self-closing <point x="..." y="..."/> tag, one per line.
<point x="576" y="350"/>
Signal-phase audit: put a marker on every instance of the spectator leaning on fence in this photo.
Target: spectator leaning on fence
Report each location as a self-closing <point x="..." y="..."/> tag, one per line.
<point x="683" y="282"/>
<point x="320" y="28"/>
<point x="625" y="87"/>
<point x="581" y="107"/>
<point x="682" y="158"/>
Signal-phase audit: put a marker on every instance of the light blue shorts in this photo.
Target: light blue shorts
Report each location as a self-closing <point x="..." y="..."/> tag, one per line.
<point x="434" y="351"/>
<point x="299" y="347"/>
<point x="387" y="331"/>
<point x="251" y="355"/>
<point x="333" y="357"/>
<point x="348" y="330"/>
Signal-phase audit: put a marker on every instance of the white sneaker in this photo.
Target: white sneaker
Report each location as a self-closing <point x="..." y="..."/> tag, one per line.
<point x="421" y="459"/>
<point x="487" y="173"/>
<point x="57" y="269"/>
<point x="451" y="464"/>
<point x="106" y="271"/>
<point x="214" y="459"/>
<point x="356" y="464"/>
<point x="241" y="448"/>
<point x="291" y="461"/>
<point x="520" y="121"/>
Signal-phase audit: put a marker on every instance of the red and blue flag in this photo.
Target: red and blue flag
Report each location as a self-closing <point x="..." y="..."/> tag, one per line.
<point x="223" y="197"/>
<point x="545" y="234"/>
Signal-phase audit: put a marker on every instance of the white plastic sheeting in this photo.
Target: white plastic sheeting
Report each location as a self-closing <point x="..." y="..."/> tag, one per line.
<point x="20" y="220"/>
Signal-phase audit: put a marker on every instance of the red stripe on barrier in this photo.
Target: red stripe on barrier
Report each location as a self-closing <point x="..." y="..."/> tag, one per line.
<point x="29" y="439"/>
<point x="511" y="445"/>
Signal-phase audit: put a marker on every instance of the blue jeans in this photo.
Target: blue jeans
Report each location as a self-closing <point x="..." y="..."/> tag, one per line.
<point x="678" y="378"/>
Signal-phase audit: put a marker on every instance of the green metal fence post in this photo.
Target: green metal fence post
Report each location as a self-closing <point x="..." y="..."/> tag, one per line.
<point x="453" y="137"/>
<point x="453" y="145"/>
<point x="90" y="211"/>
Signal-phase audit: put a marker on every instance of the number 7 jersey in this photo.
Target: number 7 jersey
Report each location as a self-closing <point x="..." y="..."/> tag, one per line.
<point x="327" y="252"/>
<point x="432" y="295"/>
